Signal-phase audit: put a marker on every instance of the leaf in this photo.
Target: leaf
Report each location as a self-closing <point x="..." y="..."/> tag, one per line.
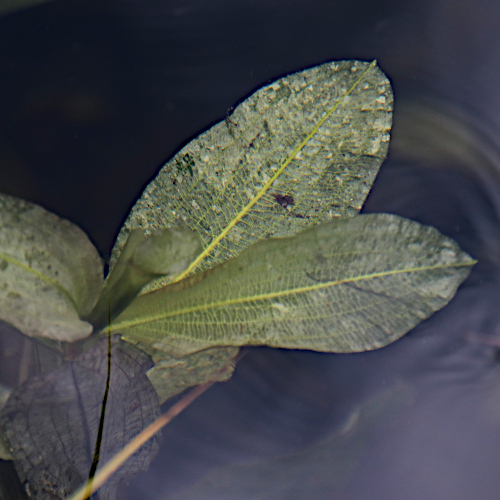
<point x="50" y="273"/>
<point x="317" y="471"/>
<point x="298" y="152"/>
<point x="165" y="251"/>
<point x="171" y="376"/>
<point x="144" y="258"/>
<point x="349" y="285"/>
<point x="51" y="421"/>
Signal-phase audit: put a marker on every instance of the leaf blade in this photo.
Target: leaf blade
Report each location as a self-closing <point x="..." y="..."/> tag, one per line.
<point x="331" y="288"/>
<point x="317" y="136"/>
<point x="269" y="183"/>
<point x="170" y="375"/>
<point x="50" y="273"/>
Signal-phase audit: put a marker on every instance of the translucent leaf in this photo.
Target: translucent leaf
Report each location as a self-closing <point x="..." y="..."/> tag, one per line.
<point x="349" y="285"/>
<point x="298" y="152"/>
<point x="144" y="257"/>
<point x="317" y="472"/>
<point x="51" y="421"/>
<point x="50" y="273"/>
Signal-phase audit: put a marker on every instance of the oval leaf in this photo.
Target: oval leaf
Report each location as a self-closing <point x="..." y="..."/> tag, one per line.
<point x="349" y="285"/>
<point x="298" y="152"/>
<point x="50" y="273"/>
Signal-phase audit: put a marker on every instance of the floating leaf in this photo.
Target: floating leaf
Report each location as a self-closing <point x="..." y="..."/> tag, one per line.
<point x="144" y="257"/>
<point x="298" y="152"/>
<point x="349" y="285"/>
<point x="50" y="273"/>
<point x="51" y="421"/>
<point x="318" y="471"/>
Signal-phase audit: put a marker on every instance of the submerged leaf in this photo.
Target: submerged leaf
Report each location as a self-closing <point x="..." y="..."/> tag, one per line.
<point x="298" y="152"/>
<point x="349" y="285"/>
<point x="171" y="376"/>
<point x="144" y="258"/>
<point x="50" y="273"/>
<point x="51" y="421"/>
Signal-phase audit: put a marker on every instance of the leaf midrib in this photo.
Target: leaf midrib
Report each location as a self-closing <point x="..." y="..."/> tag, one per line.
<point x="267" y="296"/>
<point x="269" y="183"/>
<point x="39" y="275"/>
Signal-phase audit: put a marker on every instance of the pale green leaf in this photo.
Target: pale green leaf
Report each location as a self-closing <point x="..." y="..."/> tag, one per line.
<point x="349" y="285"/>
<point x="144" y="258"/>
<point x="171" y="376"/>
<point x="50" y="273"/>
<point x="298" y="152"/>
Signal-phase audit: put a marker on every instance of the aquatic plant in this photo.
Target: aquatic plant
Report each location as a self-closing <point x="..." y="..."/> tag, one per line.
<point x="249" y="235"/>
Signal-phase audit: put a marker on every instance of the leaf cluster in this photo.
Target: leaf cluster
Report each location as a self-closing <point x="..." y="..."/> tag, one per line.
<point x="249" y="235"/>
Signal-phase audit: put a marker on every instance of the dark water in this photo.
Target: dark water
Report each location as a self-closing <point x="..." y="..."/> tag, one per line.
<point x="95" y="98"/>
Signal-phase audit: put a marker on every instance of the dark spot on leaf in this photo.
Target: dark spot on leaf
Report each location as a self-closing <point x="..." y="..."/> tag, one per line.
<point x="284" y="200"/>
<point x="185" y="165"/>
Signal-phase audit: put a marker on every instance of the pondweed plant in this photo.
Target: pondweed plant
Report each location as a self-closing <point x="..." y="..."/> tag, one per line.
<point x="249" y="235"/>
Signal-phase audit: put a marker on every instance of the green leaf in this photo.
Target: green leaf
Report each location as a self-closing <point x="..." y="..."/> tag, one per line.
<point x="171" y="376"/>
<point x="298" y="152"/>
<point x="50" y="273"/>
<point x="144" y="258"/>
<point x="349" y="285"/>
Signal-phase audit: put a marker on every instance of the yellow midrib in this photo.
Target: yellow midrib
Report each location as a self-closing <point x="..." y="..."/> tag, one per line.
<point x="269" y="183"/>
<point x="282" y="293"/>
<point x="38" y="274"/>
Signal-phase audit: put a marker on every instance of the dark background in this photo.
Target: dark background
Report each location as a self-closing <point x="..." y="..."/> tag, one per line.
<point x="95" y="96"/>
